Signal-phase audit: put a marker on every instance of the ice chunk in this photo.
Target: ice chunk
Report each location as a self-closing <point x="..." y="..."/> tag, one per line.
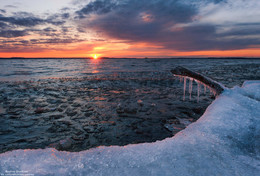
<point x="224" y="141"/>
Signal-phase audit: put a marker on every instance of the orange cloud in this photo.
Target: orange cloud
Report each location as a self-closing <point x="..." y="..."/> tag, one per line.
<point x="122" y="49"/>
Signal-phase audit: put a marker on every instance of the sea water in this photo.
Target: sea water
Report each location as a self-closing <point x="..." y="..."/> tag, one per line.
<point x="31" y="69"/>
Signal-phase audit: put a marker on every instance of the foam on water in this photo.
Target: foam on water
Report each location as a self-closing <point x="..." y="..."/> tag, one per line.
<point x="224" y="141"/>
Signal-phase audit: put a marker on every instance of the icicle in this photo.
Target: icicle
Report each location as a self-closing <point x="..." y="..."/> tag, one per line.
<point x="190" y="87"/>
<point x="199" y="84"/>
<point x="212" y="91"/>
<point x="198" y="94"/>
<point x="184" y="88"/>
<point x="180" y="78"/>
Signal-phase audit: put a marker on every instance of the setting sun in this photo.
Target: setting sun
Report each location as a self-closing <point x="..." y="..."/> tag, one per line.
<point x="95" y="56"/>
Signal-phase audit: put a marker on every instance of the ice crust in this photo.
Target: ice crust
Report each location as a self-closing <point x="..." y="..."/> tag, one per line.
<point x="224" y="141"/>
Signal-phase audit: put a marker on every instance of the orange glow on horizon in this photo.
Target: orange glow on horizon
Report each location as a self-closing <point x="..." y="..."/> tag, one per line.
<point x="137" y="50"/>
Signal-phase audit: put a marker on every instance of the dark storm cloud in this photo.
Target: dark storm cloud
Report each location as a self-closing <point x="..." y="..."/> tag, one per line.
<point x="162" y="22"/>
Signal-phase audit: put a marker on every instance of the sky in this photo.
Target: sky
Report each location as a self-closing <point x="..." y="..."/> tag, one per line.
<point x="130" y="28"/>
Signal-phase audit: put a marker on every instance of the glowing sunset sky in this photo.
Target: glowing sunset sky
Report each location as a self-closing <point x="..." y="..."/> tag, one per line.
<point x="129" y="28"/>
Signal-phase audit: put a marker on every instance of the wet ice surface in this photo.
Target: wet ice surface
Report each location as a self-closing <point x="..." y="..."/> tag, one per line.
<point x="224" y="141"/>
<point x="233" y="75"/>
<point x="103" y="105"/>
<point x="78" y="114"/>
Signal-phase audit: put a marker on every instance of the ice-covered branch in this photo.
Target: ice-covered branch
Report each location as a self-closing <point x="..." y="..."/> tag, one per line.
<point x="181" y="71"/>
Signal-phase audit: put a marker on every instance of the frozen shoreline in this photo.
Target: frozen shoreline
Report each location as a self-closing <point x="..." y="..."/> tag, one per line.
<point x="224" y="141"/>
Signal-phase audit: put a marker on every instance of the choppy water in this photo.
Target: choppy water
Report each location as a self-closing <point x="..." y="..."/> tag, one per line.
<point x="28" y="69"/>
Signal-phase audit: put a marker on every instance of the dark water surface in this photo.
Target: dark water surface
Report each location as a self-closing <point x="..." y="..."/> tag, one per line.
<point x="77" y="104"/>
<point x="28" y="69"/>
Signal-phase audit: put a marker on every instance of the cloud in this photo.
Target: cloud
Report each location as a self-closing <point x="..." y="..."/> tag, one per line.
<point x="2" y="11"/>
<point x="65" y="9"/>
<point x="11" y="6"/>
<point x="98" y="6"/>
<point x="65" y="15"/>
<point x="40" y="41"/>
<point x="173" y="9"/>
<point x="20" y="47"/>
<point x="42" y="45"/>
<point x="55" y="41"/>
<point x="12" y="33"/>
<point x="29" y="24"/>
<point x="29" y="21"/>
<point x="176" y="24"/>
<point x="3" y="25"/>
<point x="23" y="31"/>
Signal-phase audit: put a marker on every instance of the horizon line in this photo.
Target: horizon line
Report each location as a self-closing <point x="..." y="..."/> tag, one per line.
<point x="181" y="57"/>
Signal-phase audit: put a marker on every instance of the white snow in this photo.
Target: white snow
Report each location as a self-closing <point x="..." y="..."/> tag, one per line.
<point x="224" y="141"/>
